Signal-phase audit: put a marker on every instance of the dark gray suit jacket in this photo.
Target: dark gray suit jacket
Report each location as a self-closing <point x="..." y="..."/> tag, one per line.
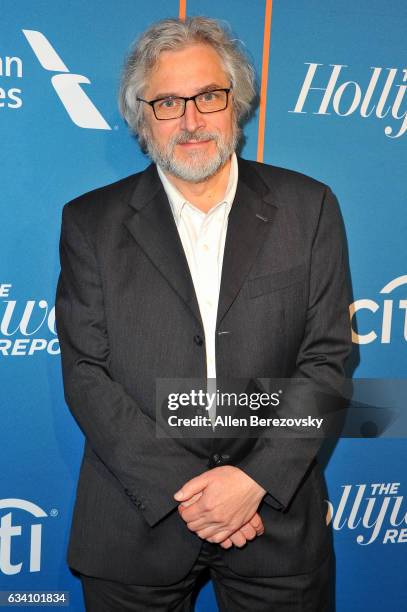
<point x="127" y="314"/>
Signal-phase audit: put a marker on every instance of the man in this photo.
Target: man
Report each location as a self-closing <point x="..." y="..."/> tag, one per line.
<point x="202" y="266"/>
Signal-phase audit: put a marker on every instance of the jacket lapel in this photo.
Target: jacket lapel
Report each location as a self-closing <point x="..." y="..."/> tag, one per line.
<point x="153" y="226"/>
<point x="250" y="218"/>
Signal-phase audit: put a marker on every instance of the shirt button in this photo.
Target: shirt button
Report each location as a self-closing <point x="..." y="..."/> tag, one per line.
<point x="198" y="340"/>
<point x="205" y="247"/>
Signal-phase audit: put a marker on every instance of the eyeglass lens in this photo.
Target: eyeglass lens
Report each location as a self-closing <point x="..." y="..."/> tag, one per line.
<point x="207" y="102"/>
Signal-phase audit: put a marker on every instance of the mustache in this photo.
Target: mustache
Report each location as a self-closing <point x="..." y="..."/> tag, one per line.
<point x="186" y="136"/>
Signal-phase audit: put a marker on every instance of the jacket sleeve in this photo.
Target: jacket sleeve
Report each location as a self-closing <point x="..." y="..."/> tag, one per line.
<point x="280" y="464"/>
<point x="150" y="468"/>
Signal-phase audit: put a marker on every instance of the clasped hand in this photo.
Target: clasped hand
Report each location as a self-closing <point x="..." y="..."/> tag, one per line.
<point x="220" y="506"/>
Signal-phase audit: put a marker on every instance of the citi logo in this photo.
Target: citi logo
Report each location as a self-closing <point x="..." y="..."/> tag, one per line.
<point x="382" y="97"/>
<point x="9" y="531"/>
<point x="78" y="105"/>
<point x="385" y="313"/>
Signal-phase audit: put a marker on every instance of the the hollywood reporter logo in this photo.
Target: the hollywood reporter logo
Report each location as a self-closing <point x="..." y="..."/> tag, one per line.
<point x="10" y="531"/>
<point x="26" y="328"/>
<point x="77" y="103"/>
<point x="326" y="93"/>
<point x="375" y="512"/>
<point x="384" y="311"/>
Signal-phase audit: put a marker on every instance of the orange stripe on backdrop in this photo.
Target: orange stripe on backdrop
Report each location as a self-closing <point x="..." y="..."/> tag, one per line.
<point x="182" y="9"/>
<point x="264" y="78"/>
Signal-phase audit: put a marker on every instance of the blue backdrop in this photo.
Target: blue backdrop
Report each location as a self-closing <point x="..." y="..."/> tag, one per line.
<point x="336" y="110"/>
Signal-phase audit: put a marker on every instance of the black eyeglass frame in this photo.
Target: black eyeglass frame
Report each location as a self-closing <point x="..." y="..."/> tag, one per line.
<point x="227" y="90"/>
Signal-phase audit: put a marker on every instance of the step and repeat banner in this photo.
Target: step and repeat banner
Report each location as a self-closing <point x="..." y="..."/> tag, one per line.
<point x="334" y="78"/>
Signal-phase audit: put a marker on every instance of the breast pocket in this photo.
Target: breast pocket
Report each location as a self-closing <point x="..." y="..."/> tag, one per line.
<point x="292" y="278"/>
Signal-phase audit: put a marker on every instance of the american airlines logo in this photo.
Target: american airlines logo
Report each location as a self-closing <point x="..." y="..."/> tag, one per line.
<point x="9" y="531"/>
<point x="77" y="103"/>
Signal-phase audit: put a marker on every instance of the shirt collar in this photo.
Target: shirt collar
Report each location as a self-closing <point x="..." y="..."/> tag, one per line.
<point x="178" y="201"/>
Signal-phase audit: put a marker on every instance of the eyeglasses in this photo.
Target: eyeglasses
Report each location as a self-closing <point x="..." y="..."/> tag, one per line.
<point x="174" y="107"/>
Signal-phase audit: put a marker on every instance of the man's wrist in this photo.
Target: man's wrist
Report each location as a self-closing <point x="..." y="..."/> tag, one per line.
<point x="259" y="489"/>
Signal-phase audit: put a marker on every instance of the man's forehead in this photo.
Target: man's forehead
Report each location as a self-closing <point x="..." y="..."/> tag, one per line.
<point x="190" y="51"/>
<point x="193" y="66"/>
<point x="197" y="56"/>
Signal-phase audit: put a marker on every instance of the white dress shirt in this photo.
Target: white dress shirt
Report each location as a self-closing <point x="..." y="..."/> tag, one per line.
<point x="203" y="237"/>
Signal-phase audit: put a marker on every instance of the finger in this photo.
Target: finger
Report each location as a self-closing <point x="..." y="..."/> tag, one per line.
<point x="226" y="539"/>
<point x="209" y="532"/>
<point x="219" y="537"/>
<point x="257" y="525"/>
<point x="200" y="523"/>
<point x="190" y="488"/>
<point x="195" y="512"/>
<point x="238" y="539"/>
<point x="256" y="521"/>
<point x="248" y="531"/>
<point x="191" y="500"/>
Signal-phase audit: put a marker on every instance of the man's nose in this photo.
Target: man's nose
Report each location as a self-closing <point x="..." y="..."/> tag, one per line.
<point x="192" y="119"/>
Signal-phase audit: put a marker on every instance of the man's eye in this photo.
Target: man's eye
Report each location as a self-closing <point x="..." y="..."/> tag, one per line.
<point x="208" y="96"/>
<point x="168" y="103"/>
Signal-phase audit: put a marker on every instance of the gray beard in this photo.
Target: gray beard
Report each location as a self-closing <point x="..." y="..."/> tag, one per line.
<point x="199" y="167"/>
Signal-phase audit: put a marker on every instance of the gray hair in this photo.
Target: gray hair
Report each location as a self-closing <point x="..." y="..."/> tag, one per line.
<point x="173" y="35"/>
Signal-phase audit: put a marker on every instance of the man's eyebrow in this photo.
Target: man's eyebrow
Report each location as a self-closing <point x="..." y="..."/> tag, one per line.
<point x="209" y="87"/>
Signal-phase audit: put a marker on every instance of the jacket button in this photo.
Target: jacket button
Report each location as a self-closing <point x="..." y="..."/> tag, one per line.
<point x="198" y="340"/>
<point x="215" y="459"/>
